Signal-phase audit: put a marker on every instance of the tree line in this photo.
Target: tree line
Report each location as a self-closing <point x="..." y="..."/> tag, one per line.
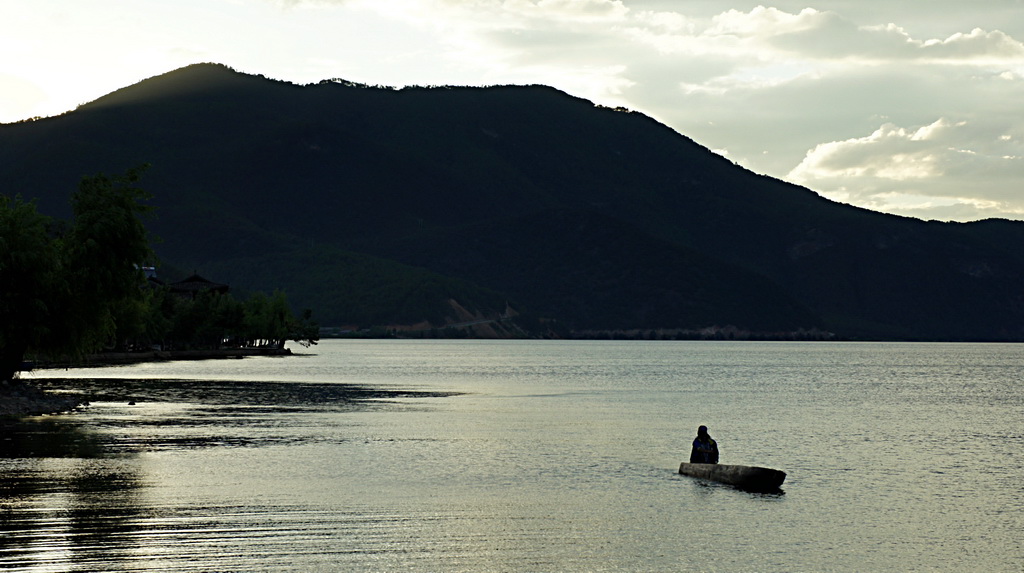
<point x="162" y="319"/>
<point x="70" y="289"/>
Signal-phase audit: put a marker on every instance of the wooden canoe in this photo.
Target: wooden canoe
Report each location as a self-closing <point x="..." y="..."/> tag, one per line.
<point x="750" y="478"/>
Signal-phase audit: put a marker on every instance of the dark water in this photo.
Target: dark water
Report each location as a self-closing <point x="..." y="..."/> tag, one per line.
<point x="526" y="456"/>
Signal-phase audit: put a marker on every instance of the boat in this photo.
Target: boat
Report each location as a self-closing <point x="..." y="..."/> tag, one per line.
<point x="750" y="478"/>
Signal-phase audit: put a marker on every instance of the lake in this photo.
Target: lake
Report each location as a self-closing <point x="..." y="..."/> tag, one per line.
<point x="526" y="456"/>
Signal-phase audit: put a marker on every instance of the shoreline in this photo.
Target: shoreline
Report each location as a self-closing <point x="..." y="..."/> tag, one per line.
<point x="20" y="398"/>
<point x="120" y="358"/>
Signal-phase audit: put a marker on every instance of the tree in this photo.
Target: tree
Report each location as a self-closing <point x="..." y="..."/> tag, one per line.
<point x="303" y="329"/>
<point x="265" y="321"/>
<point x="61" y="289"/>
<point x="105" y="249"/>
<point x="212" y="320"/>
<point x="30" y="281"/>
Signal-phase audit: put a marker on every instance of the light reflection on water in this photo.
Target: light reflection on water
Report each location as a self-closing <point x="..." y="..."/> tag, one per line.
<point x="511" y="456"/>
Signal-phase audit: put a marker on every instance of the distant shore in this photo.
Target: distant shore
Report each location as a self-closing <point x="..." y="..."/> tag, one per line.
<point x="21" y="398"/>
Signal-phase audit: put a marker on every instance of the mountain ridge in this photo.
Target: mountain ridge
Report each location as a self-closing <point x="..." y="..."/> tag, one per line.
<point x="486" y="185"/>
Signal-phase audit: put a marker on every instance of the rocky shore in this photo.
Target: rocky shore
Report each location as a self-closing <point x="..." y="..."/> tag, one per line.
<point x="22" y="399"/>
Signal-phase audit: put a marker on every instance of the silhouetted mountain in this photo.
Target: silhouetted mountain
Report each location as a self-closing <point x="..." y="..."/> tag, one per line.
<point x="383" y="206"/>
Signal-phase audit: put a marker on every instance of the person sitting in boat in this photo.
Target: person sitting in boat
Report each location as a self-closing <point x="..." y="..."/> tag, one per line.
<point x="705" y="448"/>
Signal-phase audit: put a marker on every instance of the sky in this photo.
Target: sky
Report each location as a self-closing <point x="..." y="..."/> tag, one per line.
<point x="913" y="107"/>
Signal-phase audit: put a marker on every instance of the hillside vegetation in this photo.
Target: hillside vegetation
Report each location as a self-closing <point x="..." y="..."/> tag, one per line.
<point x="377" y="206"/>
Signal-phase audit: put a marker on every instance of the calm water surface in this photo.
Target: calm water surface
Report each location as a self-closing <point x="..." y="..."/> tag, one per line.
<point x="526" y="456"/>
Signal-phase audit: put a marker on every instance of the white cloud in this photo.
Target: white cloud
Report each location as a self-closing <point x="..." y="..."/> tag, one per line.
<point x="979" y="43"/>
<point x="891" y="152"/>
<point x="954" y="168"/>
<point x="573" y="11"/>
<point x="764" y="22"/>
<point x="837" y="37"/>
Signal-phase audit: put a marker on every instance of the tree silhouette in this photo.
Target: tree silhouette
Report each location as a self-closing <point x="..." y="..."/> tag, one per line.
<point x="62" y="287"/>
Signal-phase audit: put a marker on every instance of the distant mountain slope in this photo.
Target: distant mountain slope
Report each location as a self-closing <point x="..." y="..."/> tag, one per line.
<point x="599" y="219"/>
